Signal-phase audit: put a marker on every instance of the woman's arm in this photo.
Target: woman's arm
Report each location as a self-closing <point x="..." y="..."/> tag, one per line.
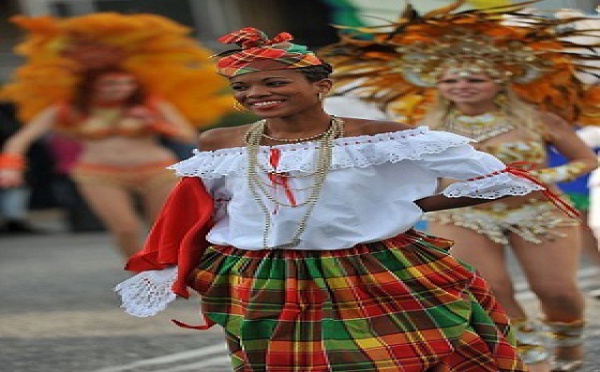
<point x="440" y="202"/>
<point x="41" y="124"/>
<point x="17" y="145"/>
<point x="184" y="129"/>
<point x="581" y="159"/>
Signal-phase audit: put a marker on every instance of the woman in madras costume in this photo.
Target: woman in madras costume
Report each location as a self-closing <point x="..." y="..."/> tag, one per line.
<point x="297" y="232"/>
<point x="470" y="70"/>
<point x="99" y="79"/>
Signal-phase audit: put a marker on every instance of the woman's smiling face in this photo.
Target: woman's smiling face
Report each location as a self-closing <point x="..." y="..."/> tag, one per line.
<point x="472" y="89"/>
<point x="275" y="93"/>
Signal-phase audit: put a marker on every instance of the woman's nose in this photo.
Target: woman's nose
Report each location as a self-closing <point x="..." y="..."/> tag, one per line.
<point x="256" y="91"/>
<point x="462" y="83"/>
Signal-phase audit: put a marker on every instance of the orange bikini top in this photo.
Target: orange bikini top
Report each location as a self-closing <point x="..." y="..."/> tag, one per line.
<point x="103" y="122"/>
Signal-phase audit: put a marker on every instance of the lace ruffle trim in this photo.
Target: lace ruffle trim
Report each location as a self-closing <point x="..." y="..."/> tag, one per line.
<point x="147" y="293"/>
<point x="359" y="152"/>
<point x="492" y="186"/>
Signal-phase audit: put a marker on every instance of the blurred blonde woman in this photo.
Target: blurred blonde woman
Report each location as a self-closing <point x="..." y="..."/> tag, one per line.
<point x="538" y="235"/>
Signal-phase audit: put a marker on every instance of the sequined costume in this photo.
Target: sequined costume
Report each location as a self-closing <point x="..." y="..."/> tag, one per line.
<point x="104" y="122"/>
<point x="535" y="220"/>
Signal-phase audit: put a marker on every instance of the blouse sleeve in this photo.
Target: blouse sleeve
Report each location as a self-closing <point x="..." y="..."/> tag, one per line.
<point x="479" y="175"/>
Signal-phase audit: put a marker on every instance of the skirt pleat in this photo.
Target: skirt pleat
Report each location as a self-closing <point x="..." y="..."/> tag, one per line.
<point x="402" y="304"/>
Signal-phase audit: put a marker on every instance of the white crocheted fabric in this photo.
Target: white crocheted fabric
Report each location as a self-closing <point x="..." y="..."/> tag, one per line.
<point x="147" y="293"/>
<point x="492" y="187"/>
<point x="348" y="152"/>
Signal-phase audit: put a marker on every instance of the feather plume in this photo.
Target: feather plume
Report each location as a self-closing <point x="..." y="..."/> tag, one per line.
<point x="550" y="62"/>
<point x="157" y="50"/>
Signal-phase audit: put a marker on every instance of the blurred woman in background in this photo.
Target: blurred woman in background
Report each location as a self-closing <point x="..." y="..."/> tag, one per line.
<point x="101" y="79"/>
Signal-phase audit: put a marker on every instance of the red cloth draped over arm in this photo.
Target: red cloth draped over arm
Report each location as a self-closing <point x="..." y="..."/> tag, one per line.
<point x="178" y="235"/>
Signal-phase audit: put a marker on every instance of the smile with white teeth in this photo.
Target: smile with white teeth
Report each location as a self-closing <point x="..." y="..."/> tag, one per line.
<point x="265" y="103"/>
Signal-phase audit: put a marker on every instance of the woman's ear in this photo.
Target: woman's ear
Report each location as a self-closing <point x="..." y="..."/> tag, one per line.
<point x="324" y="86"/>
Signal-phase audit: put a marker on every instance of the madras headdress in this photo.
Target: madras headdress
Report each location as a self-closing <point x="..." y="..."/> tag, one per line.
<point x="258" y="53"/>
<point x="397" y="65"/>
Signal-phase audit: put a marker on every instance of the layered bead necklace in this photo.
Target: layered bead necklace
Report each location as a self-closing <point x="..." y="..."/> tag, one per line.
<point x="259" y="188"/>
<point x="479" y="127"/>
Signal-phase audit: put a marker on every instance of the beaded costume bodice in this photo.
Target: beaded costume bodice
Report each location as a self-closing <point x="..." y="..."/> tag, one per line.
<point x="530" y="151"/>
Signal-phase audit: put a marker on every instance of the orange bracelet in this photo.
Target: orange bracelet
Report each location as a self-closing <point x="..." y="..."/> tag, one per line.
<point x="12" y="161"/>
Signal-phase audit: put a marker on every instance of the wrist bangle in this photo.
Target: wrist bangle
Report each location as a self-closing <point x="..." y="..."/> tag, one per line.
<point x="12" y="161"/>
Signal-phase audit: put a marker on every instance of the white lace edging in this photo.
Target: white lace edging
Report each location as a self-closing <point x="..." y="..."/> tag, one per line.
<point x="348" y="152"/>
<point x="492" y="187"/>
<point x="147" y="293"/>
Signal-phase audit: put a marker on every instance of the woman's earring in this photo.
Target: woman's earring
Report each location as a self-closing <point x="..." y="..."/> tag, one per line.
<point x="320" y="96"/>
<point x="501" y="100"/>
<point x="239" y="107"/>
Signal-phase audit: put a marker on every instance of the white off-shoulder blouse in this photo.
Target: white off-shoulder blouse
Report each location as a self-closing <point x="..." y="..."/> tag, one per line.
<point x="368" y="195"/>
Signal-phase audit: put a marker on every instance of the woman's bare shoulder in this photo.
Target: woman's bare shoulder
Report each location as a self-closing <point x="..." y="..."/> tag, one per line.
<point x="222" y="138"/>
<point x="362" y="127"/>
<point x="555" y="127"/>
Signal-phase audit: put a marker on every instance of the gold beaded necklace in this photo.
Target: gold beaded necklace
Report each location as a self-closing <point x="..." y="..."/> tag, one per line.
<point x="294" y="140"/>
<point x="479" y="127"/>
<point x="259" y="188"/>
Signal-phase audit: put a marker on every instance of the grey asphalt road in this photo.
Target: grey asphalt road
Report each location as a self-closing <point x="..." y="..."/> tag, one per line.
<point x="58" y="313"/>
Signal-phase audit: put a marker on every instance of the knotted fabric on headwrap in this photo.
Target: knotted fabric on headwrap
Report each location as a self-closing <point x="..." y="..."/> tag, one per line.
<point x="258" y="53"/>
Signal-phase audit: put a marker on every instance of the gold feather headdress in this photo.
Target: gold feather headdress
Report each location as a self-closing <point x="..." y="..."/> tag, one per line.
<point x="397" y="65"/>
<point x="158" y="51"/>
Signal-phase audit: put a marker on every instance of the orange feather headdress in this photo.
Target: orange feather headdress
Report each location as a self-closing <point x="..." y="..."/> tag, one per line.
<point x="397" y="65"/>
<point x="158" y="51"/>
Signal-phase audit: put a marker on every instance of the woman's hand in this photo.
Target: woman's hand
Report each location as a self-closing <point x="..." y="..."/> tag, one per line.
<point x="153" y="120"/>
<point x="144" y="114"/>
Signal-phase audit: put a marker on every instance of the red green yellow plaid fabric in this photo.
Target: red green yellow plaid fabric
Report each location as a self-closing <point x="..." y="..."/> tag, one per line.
<point x="403" y="304"/>
<point x="258" y="53"/>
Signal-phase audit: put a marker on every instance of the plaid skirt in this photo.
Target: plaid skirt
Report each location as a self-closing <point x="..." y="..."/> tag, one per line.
<point x="402" y="304"/>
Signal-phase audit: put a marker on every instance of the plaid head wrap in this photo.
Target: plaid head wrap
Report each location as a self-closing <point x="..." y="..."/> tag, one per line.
<point x="258" y="53"/>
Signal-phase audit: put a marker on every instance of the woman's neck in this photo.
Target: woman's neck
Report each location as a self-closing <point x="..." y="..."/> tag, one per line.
<point x="298" y="126"/>
<point x="107" y="103"/>
<point x="475" y="109"/>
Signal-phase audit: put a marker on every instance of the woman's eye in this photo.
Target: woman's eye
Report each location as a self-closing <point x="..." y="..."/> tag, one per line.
<point x="237" y="88"/>
<point x="449" y="81"/>
<point x="276" y="83"/>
